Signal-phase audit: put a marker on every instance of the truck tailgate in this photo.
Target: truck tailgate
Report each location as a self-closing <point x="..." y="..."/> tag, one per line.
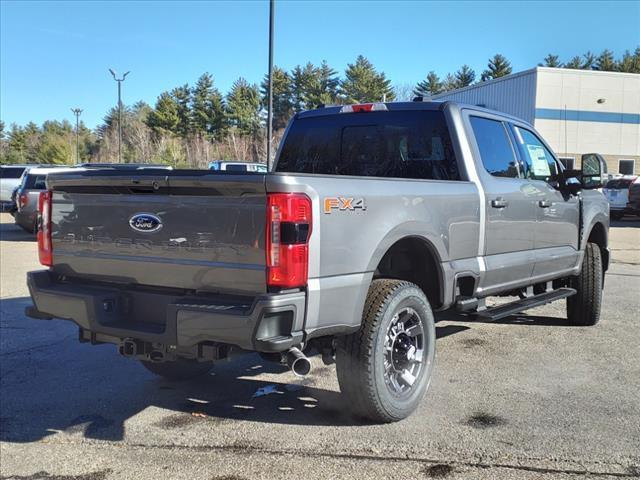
<point x="191" y="230"/>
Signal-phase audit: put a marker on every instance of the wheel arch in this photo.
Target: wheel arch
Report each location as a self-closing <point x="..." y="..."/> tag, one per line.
<point x="415" y="259"/>
<point x="598" y="234"/>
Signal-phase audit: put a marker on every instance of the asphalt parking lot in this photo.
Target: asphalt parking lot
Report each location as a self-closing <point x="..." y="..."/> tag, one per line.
<point x="526" y="397"/>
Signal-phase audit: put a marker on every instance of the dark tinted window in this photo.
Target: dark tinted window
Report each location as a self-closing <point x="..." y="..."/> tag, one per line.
<point x="540" y="163"/>
<point x="35" y="182"/>
<point x="236" y="168"/>
<point x="495" y="147"/>
<point x="406" y="144"/>
<point x="11" y="172"/>
<point x="619" y="184"/>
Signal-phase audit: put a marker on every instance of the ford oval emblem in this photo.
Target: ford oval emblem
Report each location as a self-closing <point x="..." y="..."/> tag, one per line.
<point x="145" y="223"/>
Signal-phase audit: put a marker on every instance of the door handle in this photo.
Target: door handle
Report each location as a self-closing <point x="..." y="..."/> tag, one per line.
<point x="545" y="203"/>
<point x="499" y="203"/>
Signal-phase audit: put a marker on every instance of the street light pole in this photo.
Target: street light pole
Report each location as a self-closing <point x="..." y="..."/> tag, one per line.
<point x="119" y="80"/>
<point x="77" y="112"/>
<point x="270" y="92"/>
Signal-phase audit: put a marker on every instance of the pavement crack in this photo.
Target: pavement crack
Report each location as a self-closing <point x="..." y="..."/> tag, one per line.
<point x="245" y="448"/>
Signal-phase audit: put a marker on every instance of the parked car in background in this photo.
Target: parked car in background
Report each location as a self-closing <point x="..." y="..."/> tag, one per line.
<point x="617" y="193"/>
<point x="9" y="180"/>
<point x="26" y="197"/>
<point x="633" y="203"/>
<point x="237" y="167"/>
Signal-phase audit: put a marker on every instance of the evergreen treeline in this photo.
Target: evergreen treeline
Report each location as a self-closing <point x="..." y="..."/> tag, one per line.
<point x="192" y="125"/>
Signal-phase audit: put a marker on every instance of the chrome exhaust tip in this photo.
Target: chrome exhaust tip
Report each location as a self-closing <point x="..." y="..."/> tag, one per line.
<point x="298" y="362"/>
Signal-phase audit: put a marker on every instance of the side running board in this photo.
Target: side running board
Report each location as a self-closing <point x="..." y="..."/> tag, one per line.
<point x="501" y="311"/>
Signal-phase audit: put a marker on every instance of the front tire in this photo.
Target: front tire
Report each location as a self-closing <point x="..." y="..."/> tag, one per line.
<point x="583" y="308"/>
<point x="181" y="369"/>
<point x="385" y="368"/>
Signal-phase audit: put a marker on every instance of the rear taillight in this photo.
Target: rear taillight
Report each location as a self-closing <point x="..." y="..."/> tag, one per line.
<point x="45" y="248"/>
<point x="287" y="245"/>
<point x="23" y="200"/>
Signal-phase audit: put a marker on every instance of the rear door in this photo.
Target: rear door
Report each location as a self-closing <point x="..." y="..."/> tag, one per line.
<point x="510" y="216"/>
<point x="557" y="213"/>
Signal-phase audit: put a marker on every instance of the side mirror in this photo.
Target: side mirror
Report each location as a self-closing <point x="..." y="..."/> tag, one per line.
<point x="594" y="170"/>
<point x="572" y="185"/>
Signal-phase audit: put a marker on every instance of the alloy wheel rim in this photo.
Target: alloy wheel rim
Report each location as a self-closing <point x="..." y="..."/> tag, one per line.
<point x="404" y="352"/>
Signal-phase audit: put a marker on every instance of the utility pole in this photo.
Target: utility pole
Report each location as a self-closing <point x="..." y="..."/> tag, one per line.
<point x="270" y="93"/>
<point x="119" y="80"/>
<point x="77" y="112"/>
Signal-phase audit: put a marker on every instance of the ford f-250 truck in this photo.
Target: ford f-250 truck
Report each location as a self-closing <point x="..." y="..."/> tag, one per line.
<point x="375" y="215"/>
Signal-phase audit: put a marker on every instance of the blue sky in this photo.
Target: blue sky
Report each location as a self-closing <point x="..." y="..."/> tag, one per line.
<point x="56" y="55"/>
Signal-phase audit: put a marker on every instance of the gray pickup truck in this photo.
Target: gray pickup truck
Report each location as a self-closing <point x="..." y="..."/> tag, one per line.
<point x="374" y="217"/>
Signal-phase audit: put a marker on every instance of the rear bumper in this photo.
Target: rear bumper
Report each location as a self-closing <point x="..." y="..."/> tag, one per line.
<point x="26" y="219"/>
<point x="266" y="323"/>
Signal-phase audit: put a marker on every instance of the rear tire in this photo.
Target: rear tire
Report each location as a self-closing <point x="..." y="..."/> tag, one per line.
<point x="385" y="368"/>
<point x="181" y="369"/>
<point x="583" y="308"/>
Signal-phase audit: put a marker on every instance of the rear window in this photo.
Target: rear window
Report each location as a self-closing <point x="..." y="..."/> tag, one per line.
<point x="35" y="182"/>
<point x="619" y="184"/>
<point x="11" y="172"/>
<point x="407" y="144"/>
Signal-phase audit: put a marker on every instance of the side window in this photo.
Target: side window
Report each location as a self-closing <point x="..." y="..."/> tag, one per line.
<point x="495" y="147"/>
<point x="541" y="165"/>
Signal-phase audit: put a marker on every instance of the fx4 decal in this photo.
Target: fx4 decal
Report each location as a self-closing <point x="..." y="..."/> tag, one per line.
<point x="342" y="204"/>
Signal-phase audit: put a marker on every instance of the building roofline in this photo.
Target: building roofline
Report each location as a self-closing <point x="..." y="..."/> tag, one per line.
<point x="529" y="72"/>
<point x="487" y="82"/>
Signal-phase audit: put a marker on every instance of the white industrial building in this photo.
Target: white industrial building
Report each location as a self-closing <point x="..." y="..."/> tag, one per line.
<point x="576" y="111"/>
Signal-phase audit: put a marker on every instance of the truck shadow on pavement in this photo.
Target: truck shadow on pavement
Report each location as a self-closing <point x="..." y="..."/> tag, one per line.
<point x="52" y="384"/>
<point x="10" y="232"/>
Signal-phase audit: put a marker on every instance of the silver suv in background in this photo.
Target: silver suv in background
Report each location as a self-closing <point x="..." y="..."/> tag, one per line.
<point x="10" y="176"/>
<point x="33" y="182"/>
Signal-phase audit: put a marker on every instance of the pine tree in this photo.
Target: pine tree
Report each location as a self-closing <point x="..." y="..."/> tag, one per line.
<point x="429" y="86"/>
<point x="629" y="63"/>
<point x="282" y="101"/>
<point x="575" y="63"/>
<point x="182" y="97"/>
<point x="302" y="85"/>
<point x="497" y="67"/>
<point x="363" y="83"/>
<point x="588" y="62"/>
<point x="551" y="61"/>
<point x="605" y="61"/>
<point x="243" y="107"/>
<point x="164" y="117"/>
<point x="326" y="90"/>
<point x="626" y="63"/>
<point x="207" y="108"/>
<point x="464" y="77"/>
<point x="313" y="86"/>
<point x="449" y="83"/>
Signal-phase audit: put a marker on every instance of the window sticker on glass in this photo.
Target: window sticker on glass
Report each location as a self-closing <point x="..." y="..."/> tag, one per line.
<point x="539" y="163"/>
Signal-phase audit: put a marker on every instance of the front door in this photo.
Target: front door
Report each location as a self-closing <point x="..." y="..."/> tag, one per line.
<point x="557" y="213"/>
